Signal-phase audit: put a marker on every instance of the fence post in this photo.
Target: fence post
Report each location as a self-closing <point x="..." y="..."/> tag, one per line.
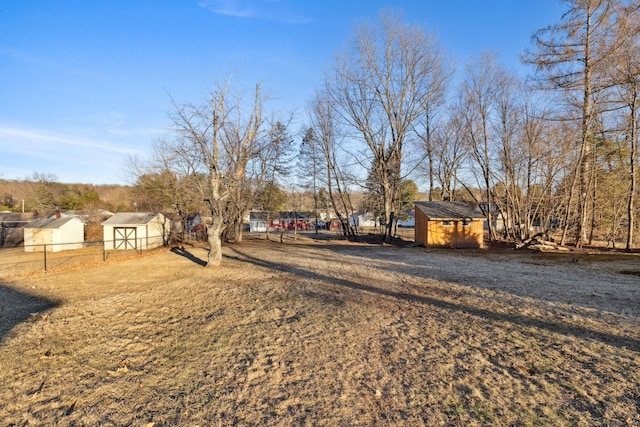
<point x="104" y="251"/>
<point x="45" y="257"/>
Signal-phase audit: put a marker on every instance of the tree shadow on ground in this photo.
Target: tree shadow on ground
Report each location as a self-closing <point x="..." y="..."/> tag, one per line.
<point x="16" y="307"/>
<point x="526" y="275"/>
<point x="517" y="319"/>
<point x="188" y="255"/>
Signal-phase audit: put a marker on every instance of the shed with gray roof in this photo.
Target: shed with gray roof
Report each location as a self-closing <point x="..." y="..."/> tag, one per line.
<point x="53" y="234"/>
<point x="136" y="230"/>
<point x="449" y="224"/>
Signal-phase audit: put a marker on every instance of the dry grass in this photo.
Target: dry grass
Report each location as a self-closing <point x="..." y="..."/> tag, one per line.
<point x="15" y="262"/>
<point x="309" y="334"/>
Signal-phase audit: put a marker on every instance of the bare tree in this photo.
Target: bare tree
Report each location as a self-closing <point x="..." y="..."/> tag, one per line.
<point x="478" y="93"/>
<point x="218" y="142"/>
<point x="325" y="136"/>
<point x="529" y="159"/>
<point x="245" y="144"/>
<point x="540" y="160"/>
<point x="428" y="129"/>
<point x="626" y="75"/>
<point x="572" y="56"/>
<point x="380" y="88"/>
<point x="159" y="186"/>
<point x="507" y="128"/>
<point x="450" y="148"/>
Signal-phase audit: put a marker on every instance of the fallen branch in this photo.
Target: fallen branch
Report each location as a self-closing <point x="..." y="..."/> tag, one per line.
<point x="539" y="244"/>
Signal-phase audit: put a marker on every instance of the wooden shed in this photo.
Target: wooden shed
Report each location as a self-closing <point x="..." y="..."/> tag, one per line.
<point x="448" y="224"/>
<point x="136" y="230"/>
<point x="53" y="234"/>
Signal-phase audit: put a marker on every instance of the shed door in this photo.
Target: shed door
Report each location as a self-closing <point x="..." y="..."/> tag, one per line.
<point x="124" y="237"/>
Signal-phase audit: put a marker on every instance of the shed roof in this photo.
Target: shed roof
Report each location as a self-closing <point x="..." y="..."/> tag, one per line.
<point x="131" y="218"/>
<point x="293" y="215"/>
<point x="49" y="222"/>
<point x="257" y="216"/>
<point x="16" y="220"/>
<point x="448" y="210"/>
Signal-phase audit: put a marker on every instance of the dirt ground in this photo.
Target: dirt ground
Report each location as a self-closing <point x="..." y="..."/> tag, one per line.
<point x="325" y="333"/>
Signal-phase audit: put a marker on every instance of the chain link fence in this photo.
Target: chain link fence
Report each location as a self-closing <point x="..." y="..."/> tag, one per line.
<point x="26" y="259"/>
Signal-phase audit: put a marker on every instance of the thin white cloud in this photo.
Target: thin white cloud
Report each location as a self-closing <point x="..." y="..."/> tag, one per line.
<point x="238" y="9"/>
<point x="71" y="157"/>
<point x="112" y="123"/>
<point x="108" y="119"/>
<point x="26" y="140"/>
<point x="275" y="10"/>
<point x="136" y="132"/>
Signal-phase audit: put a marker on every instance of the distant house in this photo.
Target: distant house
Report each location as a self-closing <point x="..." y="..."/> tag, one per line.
<point x="194" y="223"/>
<point x="195" y="226"/>
<point x="135" y="230"/>
<point x="53" y="234"/>
<point x="291" y="221"/>
<point x="448" y="224"/>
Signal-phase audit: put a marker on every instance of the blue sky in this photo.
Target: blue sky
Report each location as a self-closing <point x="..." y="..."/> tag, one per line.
<point x="86" y="84"/>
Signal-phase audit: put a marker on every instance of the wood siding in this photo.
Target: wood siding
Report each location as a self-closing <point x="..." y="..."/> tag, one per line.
<point x="421" y="227"/>
<point x="456" y="234"/>
<point x="434" y="233"/>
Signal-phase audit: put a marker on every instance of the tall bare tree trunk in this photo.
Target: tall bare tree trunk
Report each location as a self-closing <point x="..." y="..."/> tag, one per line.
<point x="214" y="239"/>
<point x="215" y="230"/>
<point x="633" y="175"/>
<point x="585" y="144"/>
<point x="567" y="215"/>
<point x="323" y="116"/>
<point x="238" y="231"/>
<point x="573" y="56"/>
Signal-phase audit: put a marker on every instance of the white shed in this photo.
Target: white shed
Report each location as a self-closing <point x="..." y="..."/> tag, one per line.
<point x="258" y="222"/>
<point x="135" y="230"/>
<point x="54" y="234"/>
<point x="362" y="219"/>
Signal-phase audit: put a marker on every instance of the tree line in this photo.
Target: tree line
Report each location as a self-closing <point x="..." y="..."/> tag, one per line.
<point x="42" y="193"/>
<point x="554" y="152"/>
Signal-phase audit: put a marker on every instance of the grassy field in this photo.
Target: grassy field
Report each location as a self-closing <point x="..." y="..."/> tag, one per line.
<point x="325" y="334"/>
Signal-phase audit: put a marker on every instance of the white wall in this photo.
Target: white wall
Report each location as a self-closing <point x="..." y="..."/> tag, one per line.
<point x="69" y="236"/>
<point x="147" y="236"/>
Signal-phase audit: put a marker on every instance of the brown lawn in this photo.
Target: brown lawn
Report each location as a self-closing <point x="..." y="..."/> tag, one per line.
<point x="325" y="334"/>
